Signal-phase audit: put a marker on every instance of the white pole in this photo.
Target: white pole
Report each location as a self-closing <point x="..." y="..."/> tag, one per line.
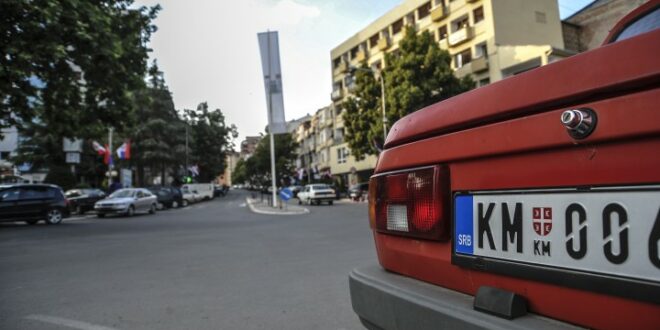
<point x="110" y="164"/>
<point x="270" y="130"/>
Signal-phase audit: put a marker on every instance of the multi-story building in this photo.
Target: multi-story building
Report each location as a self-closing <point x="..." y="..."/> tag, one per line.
<point x="248" y="146"/>
<point x="487" y="39"/>
<point x="587" y="28"/>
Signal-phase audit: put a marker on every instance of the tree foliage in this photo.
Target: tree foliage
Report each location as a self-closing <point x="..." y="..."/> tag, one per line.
<point x="418" y="74"/>
<point x="211" y="140"/>
<point x="72" y="64"/>
<point x="256" y="169"/>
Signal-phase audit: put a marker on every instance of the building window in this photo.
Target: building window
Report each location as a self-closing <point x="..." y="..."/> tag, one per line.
<point x="439" y="3"/>
<point x="336" y="62"/>
<point x="460" y="23"/>
<point x="373" y="41"/>
<point x="4" y="155"/>
<point x="484" y="82"/>
<point x="481" y="50"/>
<point x="424" y="10"/>
<point x="354" y="52"/>
<point x="540" y="17"/>
<point x="478" y="15"/>
<point x="462" y="58"/>
<point x="442" y="32"/>
<point x="342" y="155"/>
<point x="397" y="26"/>
<point x="410" y="18"/>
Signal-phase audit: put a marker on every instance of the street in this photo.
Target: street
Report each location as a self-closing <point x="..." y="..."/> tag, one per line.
<point x="212" y="265"/>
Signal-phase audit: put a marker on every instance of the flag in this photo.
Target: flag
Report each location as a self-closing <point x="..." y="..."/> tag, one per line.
<point x="107" y="159"/>
<point x="98" y="148"/>
<point x="194" y="170"/>
<point x="124" y="150"/>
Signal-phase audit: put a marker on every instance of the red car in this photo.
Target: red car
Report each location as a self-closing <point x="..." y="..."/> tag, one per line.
<point x="530" y="203"/>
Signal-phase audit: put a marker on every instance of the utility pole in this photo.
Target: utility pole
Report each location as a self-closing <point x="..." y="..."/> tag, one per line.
<point x="110" y="164"/>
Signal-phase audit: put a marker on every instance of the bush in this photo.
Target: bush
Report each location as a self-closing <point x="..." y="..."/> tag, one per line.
<point x="61" y="176"/>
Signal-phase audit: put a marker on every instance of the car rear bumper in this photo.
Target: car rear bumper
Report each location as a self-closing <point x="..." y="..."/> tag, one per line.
<point x="385" y="300"/>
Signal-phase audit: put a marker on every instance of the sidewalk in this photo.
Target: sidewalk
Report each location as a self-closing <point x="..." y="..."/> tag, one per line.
<point x="291" y="208"/>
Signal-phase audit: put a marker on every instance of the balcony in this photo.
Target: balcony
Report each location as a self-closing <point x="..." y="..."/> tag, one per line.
<point x="479" y="64"/>
<point x="336" y="95"/>
<point x="341" y="68"/>
<point x="361" y="56"/>
<point x="383" y="44"/>
<point x="461" y="36"/>
<point x="439" y="13"/>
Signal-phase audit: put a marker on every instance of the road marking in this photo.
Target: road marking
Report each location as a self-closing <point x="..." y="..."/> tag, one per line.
<point x="80" y="218"/>
<point x="67" y="322"/>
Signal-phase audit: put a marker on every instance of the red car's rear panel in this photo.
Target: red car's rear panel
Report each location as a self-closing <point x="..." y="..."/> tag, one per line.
<point x="509" y="137"/>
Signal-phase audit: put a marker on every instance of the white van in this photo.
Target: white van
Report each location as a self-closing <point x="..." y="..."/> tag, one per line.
<point x="205" y="190"/>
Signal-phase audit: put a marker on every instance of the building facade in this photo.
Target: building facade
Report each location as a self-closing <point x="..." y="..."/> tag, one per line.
<point x="487" y="39"/>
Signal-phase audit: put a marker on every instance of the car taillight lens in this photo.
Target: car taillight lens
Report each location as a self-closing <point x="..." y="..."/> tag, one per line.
<point x="412" y="203"/>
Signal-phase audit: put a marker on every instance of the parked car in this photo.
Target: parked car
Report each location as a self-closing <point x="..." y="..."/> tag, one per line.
<point x="190" y="195"/>
<point x="220" y="190"/>
<point x="295" y="190"/>
<point x="205" y="190"/>
<point x="316" y="193"/>
<point x="127" y="202"/>
<point x="83" y="200"/>
<point x="32" y="203"/>
<point x="358" y="192"/>
<point x="536" y="195"/>
<point x="169" y="197"/>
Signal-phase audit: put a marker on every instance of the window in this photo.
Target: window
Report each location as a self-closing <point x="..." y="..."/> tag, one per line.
<point x="4" y="155"/>
<point x="462" y="58"/>
<point x="35" y="193"/>
<point x="397" y="26"/>
<point x="484" y="82"/>
<point x="342" y="155"/>
<point x="442" y="32"/>
<point x="540" y="17"/>
<point x="439" y="3"/>
<point x="354" y="52"/>
<point x="410" y="18"/>
<point x="373" y="41"/>
<point x="481" y="50"/>
<point x="336" y="62"/>
<point x="648" y="22"/>
<point x="9" y="195"/>
<point x="424" y="10"/>
<point x="478" y="15"/>
<point x="460" y="23"/>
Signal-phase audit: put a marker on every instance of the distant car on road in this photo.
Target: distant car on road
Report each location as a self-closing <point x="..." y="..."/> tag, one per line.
<point x="316" y="193"/>
<point x="358" y="191"/>
<point x="127" y="202"/>
<point x="83" y="200"/>
<point x="170" y="197"/>
<point x="32" y="203"/>
<point x="205" y="190"/>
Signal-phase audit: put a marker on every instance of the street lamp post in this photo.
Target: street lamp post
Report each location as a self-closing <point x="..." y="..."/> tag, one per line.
<point x="382" y="94"/>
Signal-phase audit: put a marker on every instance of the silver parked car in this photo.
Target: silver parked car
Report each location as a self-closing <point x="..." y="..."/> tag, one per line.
<point x="127" y="201"/>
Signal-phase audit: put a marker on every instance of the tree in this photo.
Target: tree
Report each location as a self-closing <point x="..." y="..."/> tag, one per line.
<point x="257" y="168"/>
<point x="240" y="174"/>
<point x="73" y="65"/>
<point x="211" y="140"/>
<point x="417" y="75"/>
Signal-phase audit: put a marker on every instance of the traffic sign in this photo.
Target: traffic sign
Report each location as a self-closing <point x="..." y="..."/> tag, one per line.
<point x="286" y="194"/>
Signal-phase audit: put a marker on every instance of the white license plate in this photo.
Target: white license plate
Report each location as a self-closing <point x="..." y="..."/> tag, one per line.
<point x="614" y="232"/>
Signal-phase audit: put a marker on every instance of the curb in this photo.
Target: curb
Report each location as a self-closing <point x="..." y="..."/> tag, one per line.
<point x="254" y="209"/>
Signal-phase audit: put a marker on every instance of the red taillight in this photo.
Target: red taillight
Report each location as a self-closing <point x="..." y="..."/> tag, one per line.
<point x="412" y="203"/>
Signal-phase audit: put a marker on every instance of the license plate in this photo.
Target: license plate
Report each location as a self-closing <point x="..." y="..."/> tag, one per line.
<point x="614" y="232"/>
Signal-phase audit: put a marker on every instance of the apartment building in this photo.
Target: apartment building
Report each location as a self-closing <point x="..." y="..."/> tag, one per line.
<point x="487" y="39"/>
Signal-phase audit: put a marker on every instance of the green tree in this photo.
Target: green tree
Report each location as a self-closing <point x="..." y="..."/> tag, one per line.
<point x="240" y="174"/>
<point x="258" y="166"/>
<point x="211" y="140"/>
<point x="417" y="75"/>
<point x="73" y="65"/>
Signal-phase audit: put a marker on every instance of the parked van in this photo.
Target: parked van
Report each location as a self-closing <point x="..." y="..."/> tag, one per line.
<point x="205" y="190"/>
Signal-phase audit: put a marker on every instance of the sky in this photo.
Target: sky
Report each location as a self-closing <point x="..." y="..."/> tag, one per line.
<point x="208" y="51"/>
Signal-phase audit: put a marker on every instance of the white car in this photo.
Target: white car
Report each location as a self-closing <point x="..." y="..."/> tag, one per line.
<point x="316" y="193"/>
<point x="204" y="190"/>
<point x="127" y="201"/>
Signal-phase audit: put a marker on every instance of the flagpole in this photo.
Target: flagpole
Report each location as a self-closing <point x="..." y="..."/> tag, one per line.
<point x="110" y="164"/>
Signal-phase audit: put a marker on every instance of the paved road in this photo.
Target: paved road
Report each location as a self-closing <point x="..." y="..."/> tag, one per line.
<point x="213" y="265"/>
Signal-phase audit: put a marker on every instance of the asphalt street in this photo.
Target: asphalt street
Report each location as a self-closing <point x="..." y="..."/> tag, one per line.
<point x="212" y="265"/>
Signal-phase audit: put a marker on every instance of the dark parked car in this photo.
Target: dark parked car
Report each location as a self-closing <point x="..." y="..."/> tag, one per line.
<point x="220" y="191"/>
<point x="168" y="196"/>
<point x="33" y="202"/>
<point x="358" y="191"/>
<point x="82" y="200"/>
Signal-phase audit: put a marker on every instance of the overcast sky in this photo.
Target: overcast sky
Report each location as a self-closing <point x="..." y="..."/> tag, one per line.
<point x="208" y="51"/>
